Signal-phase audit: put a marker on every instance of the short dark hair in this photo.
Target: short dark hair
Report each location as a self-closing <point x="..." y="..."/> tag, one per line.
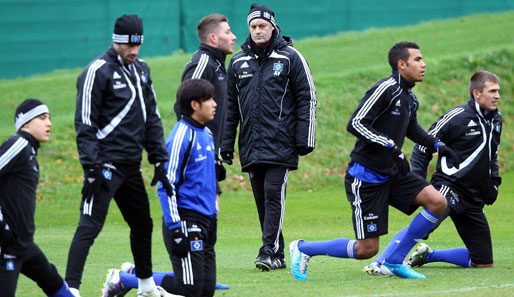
<point x="400" y="51"/>
<point x="209" y="24"/>
<point x="198" y="90"/>
<point x="478" y="79"/>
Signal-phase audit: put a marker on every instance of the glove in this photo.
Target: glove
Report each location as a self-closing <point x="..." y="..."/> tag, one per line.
<point x="227" y="157"/>
<point x="303" y="150"/>
<point x="492" y="191"/>
<point x="92" y="180"/>
<point x="179" y="243"/>
<point x="160" y="175"/>
<point x="221" y="172"/>
<point x="450" y="154"/>
<point x="400" y="160"/>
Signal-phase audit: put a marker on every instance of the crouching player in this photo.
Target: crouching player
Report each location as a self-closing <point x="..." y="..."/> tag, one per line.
<point x="19" y="176"/>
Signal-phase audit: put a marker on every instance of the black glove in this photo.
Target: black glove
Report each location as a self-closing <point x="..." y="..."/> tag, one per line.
<point x="179" y="243"/>
<point x="227" y="157"/>
<point x="492" y="191"/>
<point x="450" y="154"/>
<point x="303" y="150"/>
<point x="92" y="181"/>
<point x="160" y="175"/>
<point x="221" y="172"/>
<point x="400" y="160"/>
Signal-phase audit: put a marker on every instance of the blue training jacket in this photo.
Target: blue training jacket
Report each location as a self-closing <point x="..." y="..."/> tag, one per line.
<point x="190" y="170"/>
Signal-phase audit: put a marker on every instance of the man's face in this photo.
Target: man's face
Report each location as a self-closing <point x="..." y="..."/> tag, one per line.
<point x="261" y="31"/>
<point x="39" y="127"/>
<point x="127" y="51"/>
<point x="205" y="111"/>
<point x="488" y="98"/>
<point x="414" y="68"/>
<point x="225" y="38"/>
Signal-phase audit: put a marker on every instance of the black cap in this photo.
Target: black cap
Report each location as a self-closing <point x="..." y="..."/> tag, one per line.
<point x="259" y="11"/>
<point x="128" y="29"/>
<point x="27" y="110"/>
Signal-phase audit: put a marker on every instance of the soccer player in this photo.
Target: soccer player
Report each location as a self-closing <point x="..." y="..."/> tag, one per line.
<point x="19" y="175"/>
<point x="116" y="117"/>
<point x="378" y="174"/>
<point x="473" y="130"/>
<point x="271" y="96"/>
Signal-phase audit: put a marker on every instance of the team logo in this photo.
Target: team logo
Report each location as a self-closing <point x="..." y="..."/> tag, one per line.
<point x="144" y="77"/>
<point x="9" y="265"/>
<point x="278" y="67"/>
<point x="135" y="38"/>
<point x="266" y="15"/>
<point x="196" y="245"/>
<point x="107" y="174"/>
<point x="372" y="227"/>
<point x="498" y="127"/>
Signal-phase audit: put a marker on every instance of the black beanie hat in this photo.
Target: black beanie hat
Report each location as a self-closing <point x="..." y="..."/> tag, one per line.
<point x="259" y="11"/>
<point x="27" y="110"/>
<point x="128" y="29"/>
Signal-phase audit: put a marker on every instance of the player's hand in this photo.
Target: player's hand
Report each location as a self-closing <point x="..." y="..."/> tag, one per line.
<point x="304" y="150"/>
<point x="450" y="154"/>
<point x="221" y="172"/>
<point x="227" y="157"/>
<point x="492" y="191"/>
<point x="179" y="243"/>
<point x="160" y="175"/>
<point x="92" y="180"/>
<point x="401" y="160"/>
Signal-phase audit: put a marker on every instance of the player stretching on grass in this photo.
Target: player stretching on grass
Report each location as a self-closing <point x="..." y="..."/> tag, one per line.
<point x="473" y="130"/>
<point x="378" y="174"/>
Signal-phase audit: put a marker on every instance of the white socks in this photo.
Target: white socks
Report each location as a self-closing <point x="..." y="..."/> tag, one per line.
<point x="146" y="285"/>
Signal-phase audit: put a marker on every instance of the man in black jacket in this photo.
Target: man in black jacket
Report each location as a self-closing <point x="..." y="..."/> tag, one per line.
<point x="116" y="117"/>
<point x="473" y="130"/>
<point x="378" y="174"/>
<point x="271" y="96"/>
<point x="208" y="62"/>
<point x="19" y="175"/>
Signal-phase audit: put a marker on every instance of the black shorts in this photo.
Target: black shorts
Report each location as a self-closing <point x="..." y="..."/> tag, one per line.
<point x="471" y="224"/>
<point x="370" y="201"/>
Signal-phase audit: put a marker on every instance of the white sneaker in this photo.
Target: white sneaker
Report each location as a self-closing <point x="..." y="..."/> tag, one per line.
<point x="127" y="267"/>
<point x="158" y="292"/>
<point x="376" y="268"/>
<point x="75" y="292"/>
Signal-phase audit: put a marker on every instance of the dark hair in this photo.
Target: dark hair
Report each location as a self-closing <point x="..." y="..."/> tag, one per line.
<point x="198" y="90"/>
<point x="477" y="81"/>
<point x="400" y="51"/>
<point x="209" y="24"/>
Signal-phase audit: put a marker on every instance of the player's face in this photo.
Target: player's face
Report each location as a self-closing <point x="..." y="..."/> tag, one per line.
<point x="39" y="127"/>
<point x="261" y="31"/>
<point x="205" y="111"/>
<point x="414" y="69"/>
<point x="127" y="51"/>
<point x="225" y="38"/>
<point x="488" y="98"/>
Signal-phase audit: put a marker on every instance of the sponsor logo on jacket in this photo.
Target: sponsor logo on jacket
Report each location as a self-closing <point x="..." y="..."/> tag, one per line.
<point x="245" y="75"/>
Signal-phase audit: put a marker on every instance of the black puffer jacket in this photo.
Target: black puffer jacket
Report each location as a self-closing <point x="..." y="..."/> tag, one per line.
<point x="273" y="99"/>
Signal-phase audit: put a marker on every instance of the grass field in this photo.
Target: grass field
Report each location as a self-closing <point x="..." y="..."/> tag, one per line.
<point x="343" y="66"/>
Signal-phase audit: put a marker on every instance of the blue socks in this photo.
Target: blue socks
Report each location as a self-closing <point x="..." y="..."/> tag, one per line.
<point x="420" y="225"/>
<point x="391" y="245"/>
<point x="130" y="280"/>
<point x="340" y="247"/>
<point x="64" y="291"/>
<point x="458" y="256"/>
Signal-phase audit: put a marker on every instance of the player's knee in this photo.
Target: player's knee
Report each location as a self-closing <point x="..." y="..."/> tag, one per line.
<point x="437" y="204"/>
<point x="365" y="251"/>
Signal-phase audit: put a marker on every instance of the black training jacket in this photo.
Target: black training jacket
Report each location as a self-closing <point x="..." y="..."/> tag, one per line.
<point x="209" y="63"/>
<point x="19" y="176"/>
<point x="273" y="100"/>
<point x="386" y="114"/>
<point x="116" y="114"/>
<point x="475" y="139"/>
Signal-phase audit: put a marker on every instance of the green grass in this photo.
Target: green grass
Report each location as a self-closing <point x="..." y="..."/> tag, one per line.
<point x="321" y="215"/>
<point x="344" y="66"/>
